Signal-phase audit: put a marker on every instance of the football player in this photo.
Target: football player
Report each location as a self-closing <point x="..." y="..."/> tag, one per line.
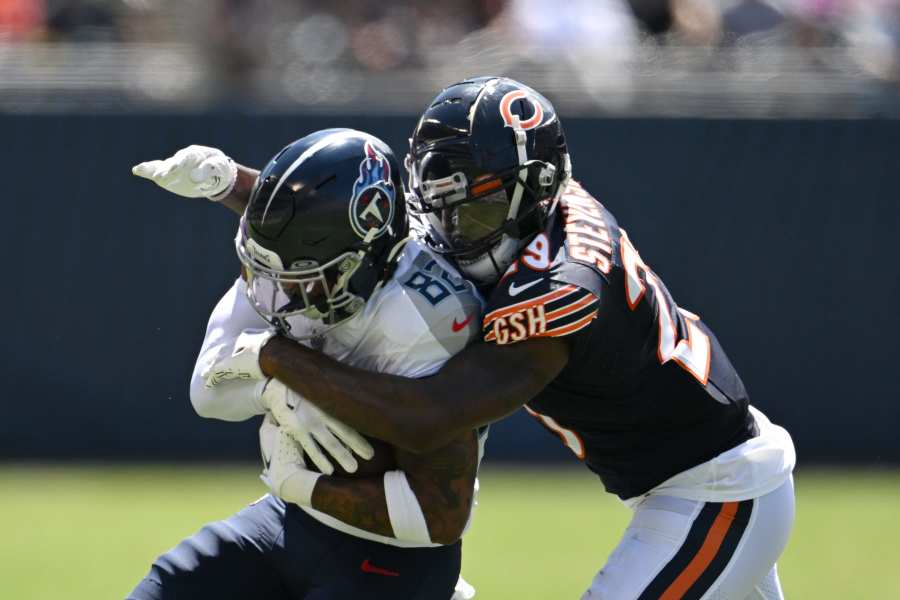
<point x="582" y="332"/>
<point x="327" y="259"/>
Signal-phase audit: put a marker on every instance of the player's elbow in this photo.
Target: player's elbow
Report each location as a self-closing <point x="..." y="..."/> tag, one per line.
<point x="210" y="403"/>
<point x="203" y="400"/>
<point x="236" y="401"/>
<point x="421" y="441"/>
<point x="447" y="525"/>
<point x="414" y="442"/>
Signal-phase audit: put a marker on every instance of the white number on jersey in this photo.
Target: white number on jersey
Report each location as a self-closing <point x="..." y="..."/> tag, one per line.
<point x="693" y="353"/>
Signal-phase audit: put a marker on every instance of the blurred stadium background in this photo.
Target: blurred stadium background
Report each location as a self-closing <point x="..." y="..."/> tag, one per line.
<point x="751" y="148"/>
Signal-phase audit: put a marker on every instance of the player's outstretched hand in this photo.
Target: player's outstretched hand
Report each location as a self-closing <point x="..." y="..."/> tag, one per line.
<point x="319" y="434"/>
<point x="284" y="470"/>
<point x="193" y="172"/>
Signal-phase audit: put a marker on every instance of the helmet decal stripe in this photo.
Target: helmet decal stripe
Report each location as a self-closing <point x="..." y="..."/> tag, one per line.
<point x="309" y="153"/>
<point x="488" y="87"/>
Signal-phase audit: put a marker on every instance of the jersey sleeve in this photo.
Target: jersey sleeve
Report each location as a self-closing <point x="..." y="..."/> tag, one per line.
<point x="234" y="400"/>
<point x="520" y="310"/>
<point x="427" y="314"/>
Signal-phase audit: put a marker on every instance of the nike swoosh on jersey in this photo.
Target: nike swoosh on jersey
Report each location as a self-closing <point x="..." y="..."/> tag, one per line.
<point x="516" y="290"/>
<point x="459" y="326"/>
<point x="367" y="567"/>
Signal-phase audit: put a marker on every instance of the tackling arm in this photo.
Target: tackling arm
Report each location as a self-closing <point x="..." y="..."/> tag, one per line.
<point x="483" y="383"/>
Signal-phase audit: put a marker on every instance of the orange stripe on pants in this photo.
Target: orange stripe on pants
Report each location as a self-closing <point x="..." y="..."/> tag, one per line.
<point x="705" y="555"/>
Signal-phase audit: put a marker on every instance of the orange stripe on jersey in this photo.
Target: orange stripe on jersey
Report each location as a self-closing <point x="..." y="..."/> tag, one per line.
<point x="569" y="309"/>
<point x="571" y="328"/>
<point x="514" y="308"/>
<point x="705" y="555"/>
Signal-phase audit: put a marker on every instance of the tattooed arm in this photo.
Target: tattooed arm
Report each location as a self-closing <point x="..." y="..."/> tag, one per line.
<point x="443" y="481"/>
<point x="480" y="385"/>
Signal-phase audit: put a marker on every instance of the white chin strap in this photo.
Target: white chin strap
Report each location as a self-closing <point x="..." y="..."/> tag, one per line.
<point x="485" y="270"/>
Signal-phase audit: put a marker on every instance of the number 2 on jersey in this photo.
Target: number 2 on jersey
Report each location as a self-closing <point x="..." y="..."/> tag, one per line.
<point x="693" y="353"/>
<point x="571" y="439"/>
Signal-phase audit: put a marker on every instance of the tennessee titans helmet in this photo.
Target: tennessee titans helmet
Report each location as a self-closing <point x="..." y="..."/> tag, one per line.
<point x="486" y="160"/>
<point x="323" y="227"/>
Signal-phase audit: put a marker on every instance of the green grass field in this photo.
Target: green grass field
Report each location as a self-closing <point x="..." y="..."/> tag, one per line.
<point x="91" y="532"/>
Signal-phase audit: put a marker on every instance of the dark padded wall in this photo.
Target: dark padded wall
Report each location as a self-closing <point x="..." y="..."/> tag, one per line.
<point x="782" y="235"/>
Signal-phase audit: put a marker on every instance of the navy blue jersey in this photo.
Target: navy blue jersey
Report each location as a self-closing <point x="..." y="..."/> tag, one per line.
<point x="648" y="391"/>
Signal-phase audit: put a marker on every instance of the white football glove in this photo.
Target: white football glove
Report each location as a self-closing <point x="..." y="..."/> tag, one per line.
<point x="284" y="470"/>
<point x="242" y="362"/>
<point x="194" y="172"/>
<point x="314" y="430"/>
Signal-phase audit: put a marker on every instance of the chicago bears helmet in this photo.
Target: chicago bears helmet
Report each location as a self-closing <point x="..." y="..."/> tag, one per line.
<point x="323" y="227"/>
<point x="486" y="160"/>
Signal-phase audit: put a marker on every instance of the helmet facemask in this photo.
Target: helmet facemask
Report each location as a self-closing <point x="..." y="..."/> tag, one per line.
<point x="477" y="137"/>
<point x="322" y="231"/>
<point x="482" y="225"/>
<point x="293" y="297"/>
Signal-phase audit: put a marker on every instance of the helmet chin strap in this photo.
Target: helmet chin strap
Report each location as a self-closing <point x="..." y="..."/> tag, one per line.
<point x="392" y="255"/>
<point x="516" y="200"/>
<point x="521" y="141"/>
<point x="488" y="267"/>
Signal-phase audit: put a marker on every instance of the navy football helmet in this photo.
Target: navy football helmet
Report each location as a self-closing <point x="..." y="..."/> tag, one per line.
<point x="323" y="228"/>
<point x="486" y="160"/>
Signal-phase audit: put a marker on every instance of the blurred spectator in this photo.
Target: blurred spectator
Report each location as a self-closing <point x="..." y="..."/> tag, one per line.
<point x="696" y="22"/>
<point x="655" y="16"/>
<point x="598" y="54"/>
<point x="749" y="17"/>
<point x="82" y="20"/>
<point x="21" y="19"/>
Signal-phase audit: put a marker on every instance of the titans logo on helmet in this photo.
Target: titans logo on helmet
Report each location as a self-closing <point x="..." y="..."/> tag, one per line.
<point x="372" y="206"/>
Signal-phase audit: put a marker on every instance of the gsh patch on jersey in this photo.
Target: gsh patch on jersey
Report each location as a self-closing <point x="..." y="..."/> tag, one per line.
<point x="562" y="311"/>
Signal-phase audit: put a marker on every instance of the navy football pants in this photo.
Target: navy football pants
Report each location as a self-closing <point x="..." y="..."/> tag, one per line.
<point x="273" y="550"/>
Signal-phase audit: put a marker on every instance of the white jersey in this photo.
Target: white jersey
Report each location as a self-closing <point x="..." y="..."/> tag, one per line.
<point x="421" y="317"/>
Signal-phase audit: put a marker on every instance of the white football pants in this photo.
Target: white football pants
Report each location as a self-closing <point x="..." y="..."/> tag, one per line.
<point x="677" y="549"/>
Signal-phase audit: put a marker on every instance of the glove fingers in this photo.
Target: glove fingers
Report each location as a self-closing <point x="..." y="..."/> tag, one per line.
<point x="147" y="169"/>
<point x="353" y="440"/>
<point x="315" y="454"/>
<point x="336" y="450"/>
<point x="168" y="172"/>
<point x="206" y="170"/>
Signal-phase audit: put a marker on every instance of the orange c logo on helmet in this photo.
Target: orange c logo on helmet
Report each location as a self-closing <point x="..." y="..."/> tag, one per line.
<point x="507" y="114"/>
